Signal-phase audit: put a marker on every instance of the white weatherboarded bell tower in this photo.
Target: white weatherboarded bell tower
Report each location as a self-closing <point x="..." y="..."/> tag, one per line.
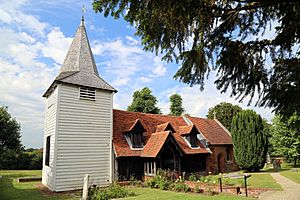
<point x="78" y="122"/>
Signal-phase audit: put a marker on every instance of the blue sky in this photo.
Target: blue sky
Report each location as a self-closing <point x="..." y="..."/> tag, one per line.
<point x="35" y="37"/>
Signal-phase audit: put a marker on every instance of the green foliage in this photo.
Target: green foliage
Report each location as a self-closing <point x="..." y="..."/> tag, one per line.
<point x="285" y="137"/>
<point x="226" y="38"/>
<point x="161" y="180"/>
<point x="10" y="134"/>
<point x="22" y="160"/>
<point x="144" y="101"/>
<point x="181" y="187"/>
<point x="176" y="105"/>
<point x="35" y="159"/>
<point x="249" y="140"/>
<point x="10" y="140"/>
<point x="192" y="177"/>
<point x="224" y="113"/>
<point x="213" y="179"/>
<point x="114" y="191"/>
<point x="210" y="192"/>
<point x="198" y="190"/>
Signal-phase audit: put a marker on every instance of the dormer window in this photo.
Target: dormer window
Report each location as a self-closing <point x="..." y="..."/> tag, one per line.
<point x="134" y="135"/>
<point x="192" y="139"/>
<point x="189" y="133"/>
<point x="87" y="93"/>
<point x="136" y="140"/>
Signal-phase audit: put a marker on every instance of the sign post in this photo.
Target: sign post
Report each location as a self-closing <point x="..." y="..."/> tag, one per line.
<point x="245" y="178"/>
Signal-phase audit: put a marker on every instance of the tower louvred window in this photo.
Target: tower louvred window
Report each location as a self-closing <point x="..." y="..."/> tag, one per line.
<point x="87" y="93"/>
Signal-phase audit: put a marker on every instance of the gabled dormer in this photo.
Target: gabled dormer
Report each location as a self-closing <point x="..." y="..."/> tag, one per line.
<point x="165" y="127"/>
<point x="134" y="134"/>
<point x="189" y="133"/>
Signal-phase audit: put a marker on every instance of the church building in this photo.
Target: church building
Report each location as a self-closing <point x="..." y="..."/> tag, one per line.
<point x="83" y="134"/>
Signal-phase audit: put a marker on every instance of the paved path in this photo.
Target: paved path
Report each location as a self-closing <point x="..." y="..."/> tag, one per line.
<point x="291" y="190"/>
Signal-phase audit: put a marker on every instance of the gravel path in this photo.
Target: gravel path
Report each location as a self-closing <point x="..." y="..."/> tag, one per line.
<point x="291" y="190"/>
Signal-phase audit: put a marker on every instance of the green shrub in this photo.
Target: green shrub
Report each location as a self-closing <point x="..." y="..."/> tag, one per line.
<point x="162" y="180"/>
<point x="192" y="177"/>
<point x="10" y="159"/>
<point x="210" y="192"/>
<point x="181" y="187"/>
<point x="197" y="189"/>
<point x="114" y="191"/>
<point x="150" y="183"/>
<point x="164" y="184"/>
<point x="133" y="180"/>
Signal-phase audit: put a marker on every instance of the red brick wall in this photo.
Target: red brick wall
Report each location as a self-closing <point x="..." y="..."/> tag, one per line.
<point x="219" y="152"/>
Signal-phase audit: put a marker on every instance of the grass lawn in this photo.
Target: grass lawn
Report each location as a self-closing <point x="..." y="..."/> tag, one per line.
<point x="10" y="189"/>
<point x="156" y="194"/>
<point x="263" y="180"/>
<point x="284" y="167"/>
<point x="257" y="180"/>
<point x="285" y="171"/>
<point x="294" y="176"/>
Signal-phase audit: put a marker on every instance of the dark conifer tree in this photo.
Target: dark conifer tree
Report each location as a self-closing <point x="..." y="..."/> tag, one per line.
<point x="249" y="140"/>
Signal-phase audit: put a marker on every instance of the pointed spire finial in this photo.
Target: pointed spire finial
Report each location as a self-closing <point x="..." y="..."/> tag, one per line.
<point x="82" y="16"/>
<point x="215" y="115"/>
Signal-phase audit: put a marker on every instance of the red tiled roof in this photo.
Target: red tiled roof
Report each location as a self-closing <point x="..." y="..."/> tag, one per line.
<point x="164" y="126"/>
<point x="124" y="120"/>
<point x="132" y="124"/>
<point x="154" y="144"/>
<point x="211" y="130"/>
<point x="185" y="130"/>
<point x="186" y="149"/>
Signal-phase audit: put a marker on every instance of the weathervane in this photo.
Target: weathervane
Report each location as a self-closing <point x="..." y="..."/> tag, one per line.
<point x="83" y="11"/>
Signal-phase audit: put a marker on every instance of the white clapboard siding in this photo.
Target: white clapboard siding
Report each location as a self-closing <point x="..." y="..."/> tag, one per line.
<point x="50" y="130"/>
<point x="83" y="139"/>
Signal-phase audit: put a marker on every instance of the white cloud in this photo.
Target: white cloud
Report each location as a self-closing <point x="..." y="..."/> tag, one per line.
<point x="159" y="69"/>
<point x="145" y="79"/>
<point x="120" y="60"/>
<point x="10" y="13"/>
<point x="132" y="41"/>
<point x="197" y="103"/>
<point x="56" y="46"/>
<point x="89" y="24"/>
<point x="120" y="82"/>
<point x="24" y="74"/>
